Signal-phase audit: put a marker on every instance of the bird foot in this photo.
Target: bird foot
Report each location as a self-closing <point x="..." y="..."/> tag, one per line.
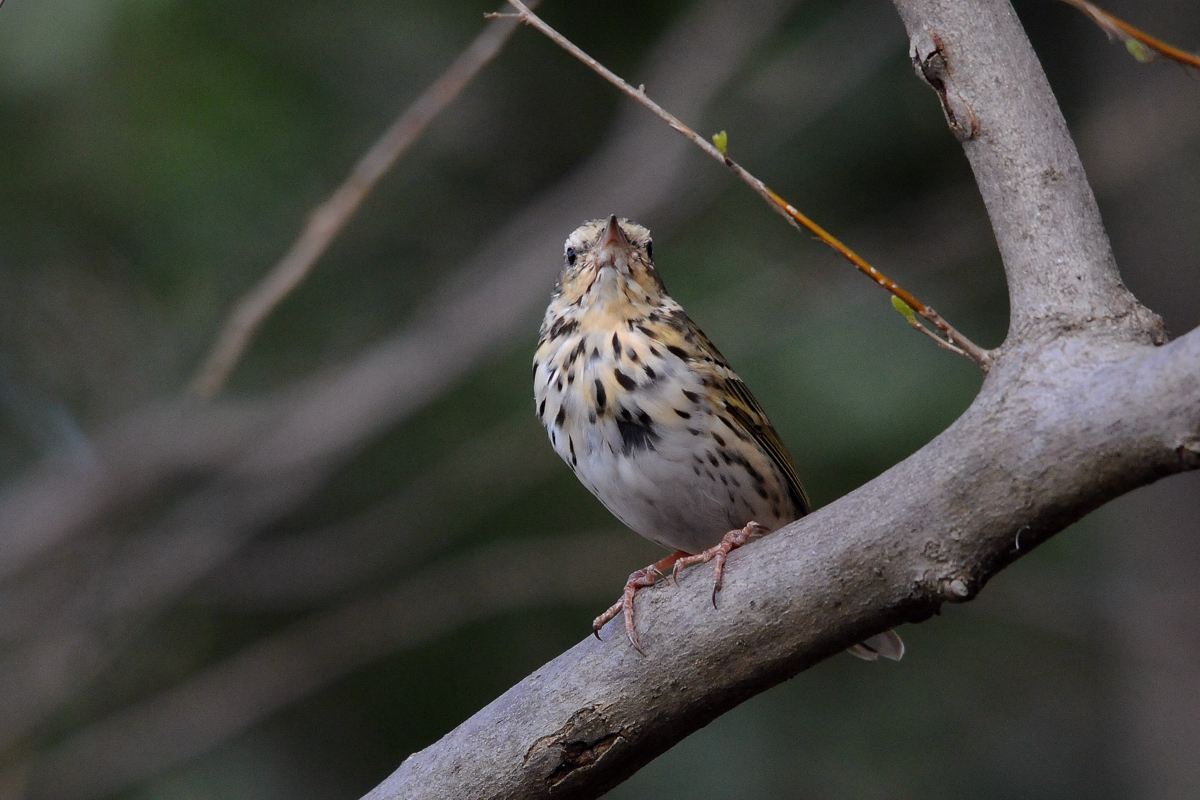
<point x="638" y="580"/>
<point x="719" y="552"/>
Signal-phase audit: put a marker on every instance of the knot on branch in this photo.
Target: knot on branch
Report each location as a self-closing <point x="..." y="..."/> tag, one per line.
<point x="931" y="65"/>
<point x="578" y="745"/>
<point x="958" y="589"/>
<point x="1189" y="454"/>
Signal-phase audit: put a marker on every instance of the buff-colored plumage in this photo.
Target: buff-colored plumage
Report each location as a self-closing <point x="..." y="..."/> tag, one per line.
<point x="647" y="412"/>
<point x="644" y="408"/>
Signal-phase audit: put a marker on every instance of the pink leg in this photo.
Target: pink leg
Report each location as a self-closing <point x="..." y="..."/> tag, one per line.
<point x="638" y="580"/>
<point x="719" y="552"/>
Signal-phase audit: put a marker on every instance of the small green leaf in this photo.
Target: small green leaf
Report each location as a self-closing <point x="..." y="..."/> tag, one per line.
<point x="904" y="309"/>
<point x="1139" y="51"/>
<point x="721" y="140"/>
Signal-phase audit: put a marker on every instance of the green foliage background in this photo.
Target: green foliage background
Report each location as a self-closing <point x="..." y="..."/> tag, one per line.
<point x="159" y="156"/>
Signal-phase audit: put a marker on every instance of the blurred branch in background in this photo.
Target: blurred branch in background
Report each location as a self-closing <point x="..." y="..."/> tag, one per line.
<point x="330" y="217"/>
<point x="118" y="751"/>
<point x="426" y="518"/>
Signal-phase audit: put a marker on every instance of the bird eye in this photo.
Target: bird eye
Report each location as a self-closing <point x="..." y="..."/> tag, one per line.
<point x="571" y="256"/>
<point x="650" y="249"/>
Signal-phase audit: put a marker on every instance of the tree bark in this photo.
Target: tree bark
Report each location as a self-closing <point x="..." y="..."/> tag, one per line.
<point x="1083" y="402"/>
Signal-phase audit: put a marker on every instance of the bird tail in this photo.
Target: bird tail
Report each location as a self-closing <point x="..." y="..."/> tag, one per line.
<point x="883" y="645"/>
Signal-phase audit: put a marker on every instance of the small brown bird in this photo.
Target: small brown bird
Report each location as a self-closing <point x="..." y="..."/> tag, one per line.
<point x="652" y="419"/>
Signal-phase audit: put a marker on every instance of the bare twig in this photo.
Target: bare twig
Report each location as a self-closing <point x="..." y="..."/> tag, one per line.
<point x="1135" y="40"/>
<point x="786" y="209"/>
<point x="327" y="221"/>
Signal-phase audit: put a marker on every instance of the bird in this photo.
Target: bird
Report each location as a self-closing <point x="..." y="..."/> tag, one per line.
<point x="649" y="415"/>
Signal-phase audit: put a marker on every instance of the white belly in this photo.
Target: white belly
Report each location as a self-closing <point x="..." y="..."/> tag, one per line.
<point x="654" y="455"/>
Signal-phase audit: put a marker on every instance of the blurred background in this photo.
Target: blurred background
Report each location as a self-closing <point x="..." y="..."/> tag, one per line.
<point x="285" y="590"/>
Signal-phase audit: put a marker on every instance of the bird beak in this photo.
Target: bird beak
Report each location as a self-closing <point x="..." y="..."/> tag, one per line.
<point x="612" y="241"/>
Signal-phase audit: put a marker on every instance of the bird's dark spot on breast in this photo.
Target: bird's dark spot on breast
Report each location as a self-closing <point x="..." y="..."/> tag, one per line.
<point x="679" y="352"/>
<point x="654" y="352"/>
<point x="601" y="397"/>
<point x="570" y="377"/>
<point x="595" y="354"/>
<point x="650" y="373"/>
<point x="542" y="409"/>
<point x="717" y="436"/>
<point x="683" y="414"/>
<point x="561" y="416"/>
<point x="535" y="366"/>
<point x="636" y="435"/>
<point x="633" y="356"/>
<point x="712" y="459"/>
<point x="626" y="414"/>
<point x="571" y="445"/>
<point x="644" y="418"/>
<point x="761" y="492"/>
<point x="563" y="327"/>
<point x="693" y="431"/>
<point x="616" y="345"/>
<point x="649" y="333"/>
<point x="623" y="379"/>
<point x="695" y="398"/>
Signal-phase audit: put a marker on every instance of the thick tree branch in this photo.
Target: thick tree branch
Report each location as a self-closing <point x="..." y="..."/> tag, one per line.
<point x="1060" y="268"/>
<point x="1078" y="408"/>
<point x="1060" y="430"/>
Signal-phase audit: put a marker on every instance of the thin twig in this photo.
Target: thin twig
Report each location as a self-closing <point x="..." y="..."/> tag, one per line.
<point x="962" y="343"/>
<point x="328" y="219"/>
<point x="1133" y="38"/>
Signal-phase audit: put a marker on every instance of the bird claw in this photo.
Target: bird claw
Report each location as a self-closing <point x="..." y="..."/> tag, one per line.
<point x="719" y="552"/>
<point x="652" y="574"/>
<point x="641" y="579"/>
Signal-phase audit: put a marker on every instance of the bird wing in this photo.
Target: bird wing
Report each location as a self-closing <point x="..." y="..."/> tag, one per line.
<point x="747" y="413"/>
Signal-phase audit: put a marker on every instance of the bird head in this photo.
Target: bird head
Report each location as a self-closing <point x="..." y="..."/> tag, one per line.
<point x="609" y="255"/>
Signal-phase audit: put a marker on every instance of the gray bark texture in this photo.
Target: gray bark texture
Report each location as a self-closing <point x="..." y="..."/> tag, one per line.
<point x="1083" y="402"/>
